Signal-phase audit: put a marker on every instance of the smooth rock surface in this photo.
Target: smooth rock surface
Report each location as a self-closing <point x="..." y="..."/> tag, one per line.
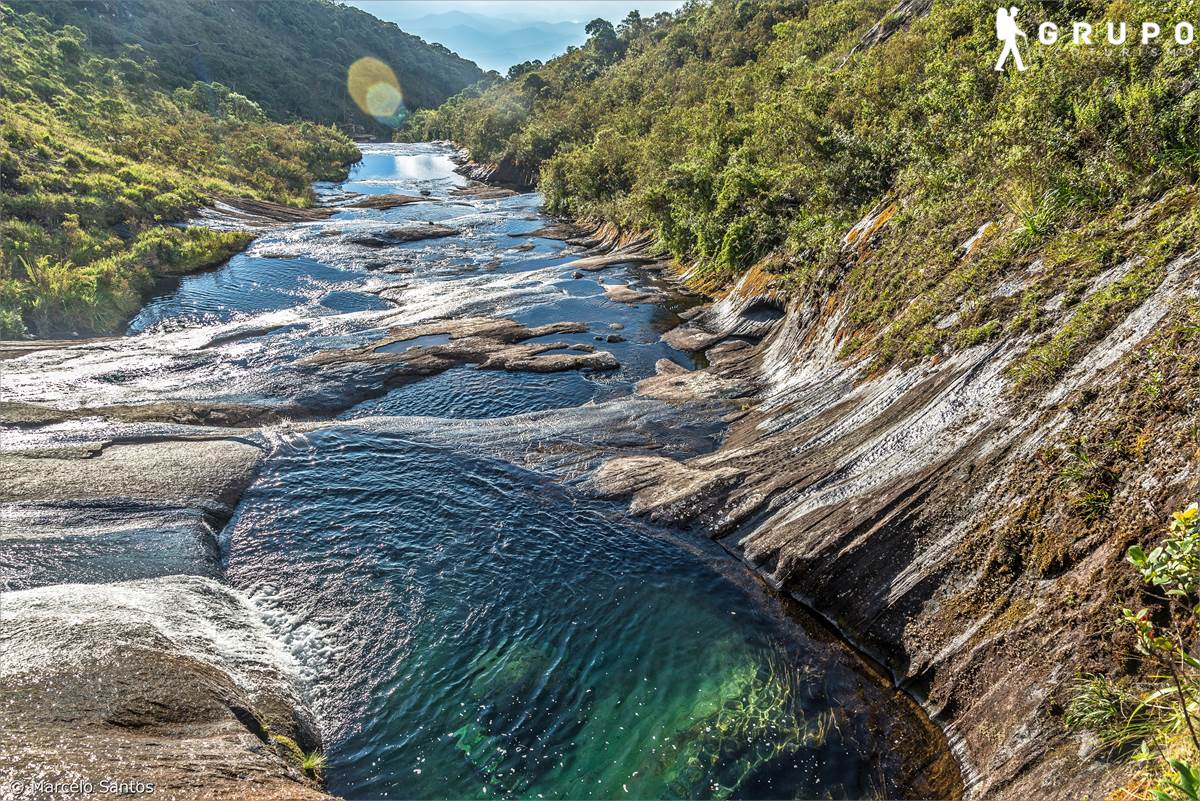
<point x="173" y="681"/>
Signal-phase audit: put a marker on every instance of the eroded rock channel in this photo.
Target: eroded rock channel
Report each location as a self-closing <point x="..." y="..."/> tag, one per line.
<point x="352" y="494"/>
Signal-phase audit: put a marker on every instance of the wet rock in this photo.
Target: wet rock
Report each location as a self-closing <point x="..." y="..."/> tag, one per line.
<point x="577" y="275"/>
<point x="209" y="473"/>
<point x="605" y="260"/>
<point x="616" y="326"/>
<point x="524" y="247"/>
<point x="750" y="310"/>
<point x="104" y="540"/>
<point x="492" y="343"/>
<point x="240" y="212"/>
<point x="668" y="367"/>
<point x="739" y="314"/>
<point x="506" y="172"/>
<point x="22" y="414"/>
<point x="385" y="202"/>
<point x="667" y="490"/>
<point x="97" y="505"/>
<point x="12" y="349"/>
<point x="482" y="192"/>
<point x="725" y="355"/>
<point x="173" y="681"/>
<point x="560" y="231"/>
<point x="568" y="443"/>
<point x="623" y="293"/>
<point x="400" y="235"/>
<point x="893" y="504"/>
<point x="535" y="361"/>
<point x="691" y="338"/>
<point x="678" y="385"/>
<point x="614" y="338"/>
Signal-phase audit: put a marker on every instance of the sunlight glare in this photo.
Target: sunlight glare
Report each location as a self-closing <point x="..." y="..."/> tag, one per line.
<point x="375" y="89"/>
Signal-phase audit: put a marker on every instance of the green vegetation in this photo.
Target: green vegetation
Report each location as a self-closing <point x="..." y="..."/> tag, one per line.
<point x="1154" y="719"/>
<point x="313" y="763"/>
<point x="289" y="56"/>
<point x="97" y="159"/>
<point x="759" y="133"/>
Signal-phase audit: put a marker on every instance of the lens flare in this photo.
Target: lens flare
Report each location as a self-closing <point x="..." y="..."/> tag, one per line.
<point x="375" y="90"/>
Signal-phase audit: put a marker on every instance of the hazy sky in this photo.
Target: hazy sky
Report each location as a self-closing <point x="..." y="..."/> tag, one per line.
<point x="545" y="10"/>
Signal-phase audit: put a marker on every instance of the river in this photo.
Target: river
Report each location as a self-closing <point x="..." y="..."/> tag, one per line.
<point x="464" y="617"/>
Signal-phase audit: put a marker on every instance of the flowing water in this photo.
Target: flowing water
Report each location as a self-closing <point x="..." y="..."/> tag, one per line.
<point x="467" y="621"/>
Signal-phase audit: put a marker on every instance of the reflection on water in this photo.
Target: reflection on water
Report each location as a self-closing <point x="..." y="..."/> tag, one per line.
<point x="418" y="167"/>
<point x="249" y="285"/>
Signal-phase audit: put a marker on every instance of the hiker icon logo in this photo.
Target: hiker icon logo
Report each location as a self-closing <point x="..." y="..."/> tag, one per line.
<point x="1007" y="32"/>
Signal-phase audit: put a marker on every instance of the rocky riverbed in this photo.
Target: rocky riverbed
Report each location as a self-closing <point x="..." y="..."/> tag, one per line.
<point x="345" y="496"/>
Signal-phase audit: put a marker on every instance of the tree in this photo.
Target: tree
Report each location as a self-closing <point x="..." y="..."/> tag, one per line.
<point x="632" y="26"/>
<point x="602" y="37"/>
<point x="517" y="70"/>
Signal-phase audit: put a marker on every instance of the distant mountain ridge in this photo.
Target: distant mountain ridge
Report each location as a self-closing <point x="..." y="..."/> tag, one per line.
<point x="289" y="56"/>
<point x="496" y="43"/>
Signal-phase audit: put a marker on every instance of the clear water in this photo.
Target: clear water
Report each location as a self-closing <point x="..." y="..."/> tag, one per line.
<point x="476" y="631"/>
<point x="471" y="626"/>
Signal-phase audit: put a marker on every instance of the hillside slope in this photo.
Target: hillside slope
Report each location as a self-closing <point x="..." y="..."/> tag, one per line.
<point x="97" y="159"/>
<point x="960" y="309"/>
<point x="289" y="56"/>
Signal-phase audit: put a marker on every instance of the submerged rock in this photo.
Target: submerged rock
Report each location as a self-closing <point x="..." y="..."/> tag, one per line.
<point x="12" y="349"/>
<point x="173" y="682"/>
